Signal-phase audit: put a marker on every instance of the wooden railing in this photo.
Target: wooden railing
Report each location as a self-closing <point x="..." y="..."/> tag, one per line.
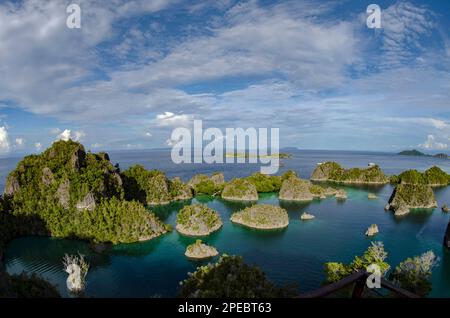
<point x="359" y="281"/>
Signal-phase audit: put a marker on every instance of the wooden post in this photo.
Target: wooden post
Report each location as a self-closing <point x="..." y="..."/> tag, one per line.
<point x="359" y="287"/>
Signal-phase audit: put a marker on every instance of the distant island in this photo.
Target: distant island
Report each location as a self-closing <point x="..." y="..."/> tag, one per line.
<point x="417" y="153"/>
<point x="248" y="155"/>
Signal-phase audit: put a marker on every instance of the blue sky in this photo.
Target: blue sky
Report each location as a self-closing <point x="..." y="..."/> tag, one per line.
<point x="138" y="69"/>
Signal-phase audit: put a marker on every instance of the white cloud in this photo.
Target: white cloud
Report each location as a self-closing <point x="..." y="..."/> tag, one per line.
<point x="19" y="143"/>
<point x="75" y="136"/>
<point x="432" y="144"/>
<point x="172" y="120"/>
<point x="4" y="140"/>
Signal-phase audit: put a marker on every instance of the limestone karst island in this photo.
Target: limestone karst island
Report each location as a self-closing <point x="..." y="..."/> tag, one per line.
<point x="236" y="151"/>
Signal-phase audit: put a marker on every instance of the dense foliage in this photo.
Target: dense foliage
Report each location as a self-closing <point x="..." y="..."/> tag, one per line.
<point x="203" y="184"/>
<point x="240" y="189"/>
<point x="78" y="194"/>
<point x="332" y="171"/>
<point x="265" y="183"/>
<point x="153" y="187"/>
<point x="375" y="254"/>
<point x="414" y="274"/>
<point x="262" y="216"/>
<point x="198" y="219"/>
<point x="230" y="277"/>
<point x="433" y="176"/>
<point x="412" y="196"/>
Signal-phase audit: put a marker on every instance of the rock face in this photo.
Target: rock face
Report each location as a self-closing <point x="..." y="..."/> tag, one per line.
<point x="447" y="237"/>
<point x="63" y="194"/>
<point x="411" y="196"/>
<point x="372" y="230"/>
<point x="47" y="176"/>
<point x="341" y="194"/>
<point x="12" y="185"/>
<point x="198" y="220"/>
<point x="198" y="250"/>
<point x="88" y="203"/>
<point x="332" y="171"/>
<point x="295" y="189"/>
<point x="179" y="190"/>
<point x="263" y="217"/>
<point x="306" y="216"/>
<point x="239" y="190"/>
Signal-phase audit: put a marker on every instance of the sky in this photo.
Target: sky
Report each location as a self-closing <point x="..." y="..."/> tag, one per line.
<point x="136" y="70"/>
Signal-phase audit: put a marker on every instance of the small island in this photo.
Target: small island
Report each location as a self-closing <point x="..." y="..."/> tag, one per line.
<point x="211" y="185"/>
<point x="240" y="190"/>
<point x="333" y="172"/>
<point x="372" y="196"/>
<point x="411" y="196"/>
<point x="306" y="216"/>
<point x="296" y="189"/>
<point x="198" y="220"/>
<point x="413" y="152"/>
<point x="199" y="250"/>
<point x="262" y="216"/>
<point x="433" y="176"/>
<point x="372" y="230"/>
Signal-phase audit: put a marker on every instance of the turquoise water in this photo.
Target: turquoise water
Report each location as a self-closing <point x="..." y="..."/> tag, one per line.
<point x="296" y="254"/>
<point x="293" y="255"/>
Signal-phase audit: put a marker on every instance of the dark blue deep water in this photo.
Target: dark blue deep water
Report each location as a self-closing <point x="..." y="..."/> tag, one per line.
<point x="293" y="255"/>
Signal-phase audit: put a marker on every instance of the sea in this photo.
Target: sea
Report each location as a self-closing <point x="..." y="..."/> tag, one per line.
<point x="295" y="255"/>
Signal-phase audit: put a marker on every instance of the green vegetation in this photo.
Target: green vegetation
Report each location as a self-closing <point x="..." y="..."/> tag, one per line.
<point x="153" y="187"/>
<point x="240" y="190"/>
<point x="203" y="184"/>
<point x="375" y="254"/>
<point x="230" y="277"/>
<point x="412" y="196"/>
<point x="414" y="274"/>
<point x="78" y="194"/>
<point x="262" y="216"/>
<point x="433" y="176"/>
<point x="198" y="220"/>
<point x="265" y="183"/>
<point x="332" y="171"/>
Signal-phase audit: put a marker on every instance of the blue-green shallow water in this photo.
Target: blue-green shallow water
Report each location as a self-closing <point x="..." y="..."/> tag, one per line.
<point x="296" y="254"/>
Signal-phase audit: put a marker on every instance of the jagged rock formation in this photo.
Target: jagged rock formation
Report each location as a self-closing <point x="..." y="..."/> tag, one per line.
<point x="306" y="216"/>
<point x="411" y="196"/>
<point x="372" y="230"/>
<point x="198" y="250"/>
<point x="204" y="184"/>
<point x="296" y="189"/>
<point x="239" y="190"/>
<point x="78" y="194"/>
<point x="262" y="216"/>
<point x="198" y="220"/>
<point x="333" y="172"/>
<point x="153" y="187"/>
<point x="341" y="194"/>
